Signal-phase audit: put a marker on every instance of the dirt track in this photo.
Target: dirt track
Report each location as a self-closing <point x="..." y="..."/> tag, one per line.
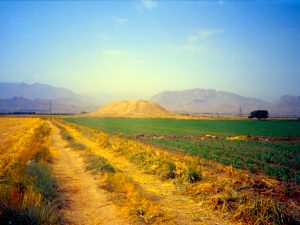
<point x="85" y="203"/>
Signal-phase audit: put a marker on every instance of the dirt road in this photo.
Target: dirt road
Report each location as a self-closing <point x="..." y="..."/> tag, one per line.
<point x="85" y="203"/>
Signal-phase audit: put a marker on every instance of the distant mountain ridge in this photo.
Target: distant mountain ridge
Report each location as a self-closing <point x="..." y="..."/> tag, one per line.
<point x="206" y="101"/>
<point x="32" y="91"/>
<point x="286" y="105"/>
<point x="41" y="98"/>
<point x="46" y="98"/>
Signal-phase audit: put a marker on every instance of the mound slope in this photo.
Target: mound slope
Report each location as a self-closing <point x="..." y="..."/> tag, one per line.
<point x="131" y="108"/>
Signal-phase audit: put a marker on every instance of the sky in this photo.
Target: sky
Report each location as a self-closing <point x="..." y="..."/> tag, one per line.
<point x="251" y="48"/>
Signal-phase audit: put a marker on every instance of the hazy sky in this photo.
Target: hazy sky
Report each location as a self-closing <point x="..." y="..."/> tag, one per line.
<point x="248" y="47"/>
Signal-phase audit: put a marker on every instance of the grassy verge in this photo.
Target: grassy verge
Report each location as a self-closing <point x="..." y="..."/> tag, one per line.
<point x="134" y="201"/>
<point x="28" y="190"/>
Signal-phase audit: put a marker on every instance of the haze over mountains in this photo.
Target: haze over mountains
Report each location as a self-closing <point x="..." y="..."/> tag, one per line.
<point x="37" y="97"/>
<point x="41" y="98"/>
<point x="207" y="101"/>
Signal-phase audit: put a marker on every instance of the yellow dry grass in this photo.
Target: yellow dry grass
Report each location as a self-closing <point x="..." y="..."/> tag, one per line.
<point x="15" y="133"/>
<point x="27" y="192"/>
<point x="237" y="138"/>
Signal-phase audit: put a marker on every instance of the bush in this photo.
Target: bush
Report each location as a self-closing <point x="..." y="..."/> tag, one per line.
<point x="43" y="181"/>
<point x="99" y="164"/>
<point x="193" y="175"/>
<point x="168" y="170"/>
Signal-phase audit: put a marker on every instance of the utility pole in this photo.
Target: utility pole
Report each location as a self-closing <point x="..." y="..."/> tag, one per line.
<point x="241" y="111"/>
<point x="50" y="107"/>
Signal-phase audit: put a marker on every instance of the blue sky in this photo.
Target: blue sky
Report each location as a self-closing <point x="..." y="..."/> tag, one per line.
<point x="248" y="47"/>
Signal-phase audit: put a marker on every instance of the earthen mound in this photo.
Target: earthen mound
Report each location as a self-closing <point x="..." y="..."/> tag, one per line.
<point x="131" y="108"/>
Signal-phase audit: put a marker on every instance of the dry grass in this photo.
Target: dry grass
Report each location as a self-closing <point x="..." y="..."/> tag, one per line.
<point x="28" y="193"/>
<point x="131" y="198"/>
<point x="14" y="136"/>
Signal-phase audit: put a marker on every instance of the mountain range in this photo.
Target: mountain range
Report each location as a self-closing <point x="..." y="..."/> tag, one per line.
<point x="44" y="98"/>
<point x="209" y="101"/>
<point x="15" y="97"/>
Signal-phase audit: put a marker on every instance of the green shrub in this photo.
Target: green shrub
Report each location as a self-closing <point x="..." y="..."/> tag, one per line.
<point x="99" y="164"/>
<point x="31" y="215"/>
<point x="193" y="175"/>
<point x="168" y="170"/>
<point x="43" y="180"/>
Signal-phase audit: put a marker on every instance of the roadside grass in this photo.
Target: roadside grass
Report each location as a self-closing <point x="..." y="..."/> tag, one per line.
<point x="72" y="143"/>
<point x="126" y="194"/>
<point x="135" y="202"/>
<point x="261" y="210"/>
<point x="98" y="164"/>
<point x="235" y="194"/>
<point x="28" y="190"/>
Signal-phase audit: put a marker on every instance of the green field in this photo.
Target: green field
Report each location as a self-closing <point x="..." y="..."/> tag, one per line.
<point x="266" y="128"/>
<point x="277" y="159"/>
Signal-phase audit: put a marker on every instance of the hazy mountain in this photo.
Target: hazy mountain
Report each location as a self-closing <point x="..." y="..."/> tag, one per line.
<point x="286" y="105"/>
<point x="37" y="97"/>
<point x="202" y="101"/>
<point x="32" y="91"/>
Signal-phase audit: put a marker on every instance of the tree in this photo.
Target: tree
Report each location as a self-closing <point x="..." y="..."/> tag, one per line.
<point x="259" y="114"/>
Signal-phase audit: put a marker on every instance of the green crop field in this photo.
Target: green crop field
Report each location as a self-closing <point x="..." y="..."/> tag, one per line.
<point x="278" y="159"/>
<point x="266" y="128"/>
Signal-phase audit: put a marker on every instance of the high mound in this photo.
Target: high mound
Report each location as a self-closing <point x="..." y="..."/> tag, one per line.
<point x="131" y="108"/>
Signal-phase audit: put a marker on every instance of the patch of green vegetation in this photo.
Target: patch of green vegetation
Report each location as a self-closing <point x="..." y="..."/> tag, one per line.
<point x="97" y="163"/>
<point x="134" y="126"/>
<point x="193" y="175"/>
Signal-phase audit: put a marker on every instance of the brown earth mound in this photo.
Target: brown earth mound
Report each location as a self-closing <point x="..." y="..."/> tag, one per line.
<point x="131" y="108"/>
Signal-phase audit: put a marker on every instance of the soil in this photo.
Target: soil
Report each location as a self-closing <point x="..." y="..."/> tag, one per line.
<point x="203" y="137"/>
